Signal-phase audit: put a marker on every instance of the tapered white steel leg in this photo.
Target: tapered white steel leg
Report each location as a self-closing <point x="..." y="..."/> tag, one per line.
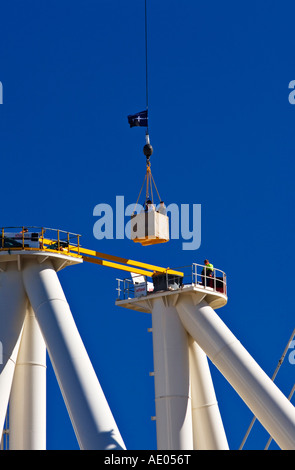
<point x="12" y="313"/>
<point x="172" y="382"/>
<point x="91" y="417"/>
<point x="208" y="430"/>
<point x="262" y="396"/>
<point x="27" y="405"/>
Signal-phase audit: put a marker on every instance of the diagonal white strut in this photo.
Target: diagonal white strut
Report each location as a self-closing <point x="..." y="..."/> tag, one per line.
<point x="91" y="417"/>
<point x="262" y="396"/>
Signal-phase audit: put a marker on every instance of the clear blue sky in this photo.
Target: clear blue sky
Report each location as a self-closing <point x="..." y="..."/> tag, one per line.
<point x="222" y="129"/>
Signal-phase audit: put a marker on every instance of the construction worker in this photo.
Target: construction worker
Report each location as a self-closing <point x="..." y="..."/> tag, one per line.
<point x="207" y="272"/>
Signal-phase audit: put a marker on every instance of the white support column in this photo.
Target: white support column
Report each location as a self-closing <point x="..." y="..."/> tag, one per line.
<point x="172" y="381"/>
<point x="208" y="430"/>
<point x="262" y="396"/>
<point x="12" y="313"/>
<point x="27" y="405"/>
<point x="91" y="417"/>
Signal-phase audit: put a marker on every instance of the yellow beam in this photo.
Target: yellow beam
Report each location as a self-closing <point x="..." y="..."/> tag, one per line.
<point x="130" y="262"/>
<point x="117" y="259"/>
<point x="102" y="262"/>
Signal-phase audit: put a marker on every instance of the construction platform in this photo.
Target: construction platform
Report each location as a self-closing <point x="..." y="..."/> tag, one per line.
<point x="138" y="293"/>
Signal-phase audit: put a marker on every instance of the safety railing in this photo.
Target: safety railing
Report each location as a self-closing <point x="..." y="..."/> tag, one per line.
<point x="125" y="289"/>
<point x="39" y="238"/>
<point x="194" y="275"/>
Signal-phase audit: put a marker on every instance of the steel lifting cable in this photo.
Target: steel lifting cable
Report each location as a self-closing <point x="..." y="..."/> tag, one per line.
<point x="147" y="98"/>
<point x="146" y="62"/>
<point x="149" y="179"/>
<point x="156" y="188"/>
<point x="150" y="182"/>
<point x="146" y="86"/>
<point x="147" y="182"/>
<point x="148" y="176"/>
<point x="152" y="196"/>
<point x="139" y="194"/>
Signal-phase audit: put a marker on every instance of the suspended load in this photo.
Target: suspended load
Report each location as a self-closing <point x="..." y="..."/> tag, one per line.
<point x="151" y="225"/>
